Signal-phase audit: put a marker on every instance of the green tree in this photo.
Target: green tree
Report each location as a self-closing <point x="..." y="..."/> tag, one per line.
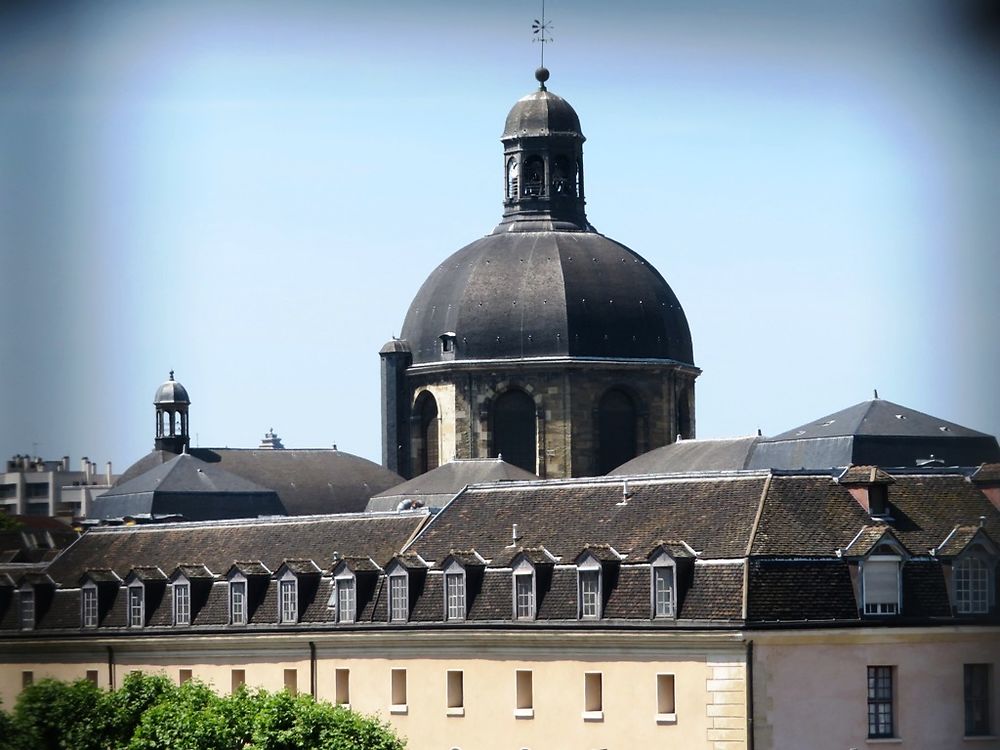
<point x="54" y="715"/>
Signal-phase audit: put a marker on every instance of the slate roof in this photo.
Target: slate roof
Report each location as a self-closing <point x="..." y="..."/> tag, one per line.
<point x="722" y="454"/>
<point x="437" y="486"/>
<point x="308" y="481"/>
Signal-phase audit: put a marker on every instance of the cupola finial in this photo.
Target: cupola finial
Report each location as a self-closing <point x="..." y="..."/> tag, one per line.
<point x="540" y="29"/>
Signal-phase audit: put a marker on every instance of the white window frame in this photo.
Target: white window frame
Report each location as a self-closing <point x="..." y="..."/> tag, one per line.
<point x="455" y="600"/>
<point x="397" y="691"/>
<point x="586" y="571"/>
<point x="399" y="595"/>
<point x="89" y="605"/>
<point x="881" y="608"/>
<point x="182" y="601"/>
<point x="346" y="590"/>
<point x="454" y="686"/>
<point x="27" y="607"/>
<point x="661" y="563"/>
<point x="524" y="601"/>
<point x="238" y="593"/>
<point x="135" y="616"/>
<point x="666" y="698"/>
<point x="972" y="575"/>
<point x="288" y="599"/>
<point x="524" y="694"/>
<point x="593" y="696"/>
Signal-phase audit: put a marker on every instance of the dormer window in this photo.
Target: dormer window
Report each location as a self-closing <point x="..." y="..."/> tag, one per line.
<point x="664" y="587"/>
<point x="88" y="605"/>
<point x="972" y="585"/>
<point x="136" y="612"/>
<point x="27" y="608"/>
<point x="590" y="591"/>
<point x="238" y="601"/>
<point x="454" y="593"/>
<point x="524" y="591"/>
<point x="288" y="599"/>
<point x="880" y="581"/>
<point x="182" y="602"/>
<point x="448" y="342"/>
<point x="347" y="601"/>
<point x="878" y="500"/>
<point x="399" y="605"/>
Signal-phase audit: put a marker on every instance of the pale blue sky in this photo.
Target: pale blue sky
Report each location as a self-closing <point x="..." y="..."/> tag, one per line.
<point x="251" y="193"/>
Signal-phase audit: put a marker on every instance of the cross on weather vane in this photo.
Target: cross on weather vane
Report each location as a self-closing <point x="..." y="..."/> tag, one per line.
<point x="540" y="30"/>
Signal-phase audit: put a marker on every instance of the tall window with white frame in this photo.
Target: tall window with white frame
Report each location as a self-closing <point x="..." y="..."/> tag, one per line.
<point x="663" y="590"/>
<point x="27" y="609"/>
<point x="880" y="703"/>
<point x="346" y="599"/>
<point x="880" y="573"/>
<point x="976" y="684"/>
<point x="238" y="602"/>
<point x="972" y="586"/>
<point x="590" y="593"/>
<point x="398" y="598"/>
<point x="524" y="592"/>
<point x="136" y="606"/>
<point x="89" y="606"/>
<point x="454" y="591"/>
<point x="182" y="603"/>
<point x="289" y="600"/>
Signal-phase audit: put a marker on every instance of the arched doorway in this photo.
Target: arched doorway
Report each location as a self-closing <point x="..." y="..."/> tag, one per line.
<point x="514" y="435"/>
<point x="427" y="444"/>
<point x="616" y="430"/>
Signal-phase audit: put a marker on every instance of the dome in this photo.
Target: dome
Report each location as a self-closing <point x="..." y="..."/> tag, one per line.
<point x="171" y="392"/>
<point x="541" y="113"/>
<point x="521" y="295"/>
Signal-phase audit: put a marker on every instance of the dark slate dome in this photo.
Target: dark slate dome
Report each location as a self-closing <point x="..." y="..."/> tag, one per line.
<point x="547" y="294"/>
<point x="171" y="392"/>
<point x="541" y="113"/>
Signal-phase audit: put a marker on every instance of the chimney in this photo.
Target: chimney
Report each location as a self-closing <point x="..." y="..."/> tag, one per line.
<point x="515" y="535"/>
<point x="65" y="463"/>
<point x="107" y="474"/>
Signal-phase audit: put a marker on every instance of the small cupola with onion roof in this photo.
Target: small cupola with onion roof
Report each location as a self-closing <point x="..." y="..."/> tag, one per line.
<point x="543" y="164"/>
<point x="172" y="429"/>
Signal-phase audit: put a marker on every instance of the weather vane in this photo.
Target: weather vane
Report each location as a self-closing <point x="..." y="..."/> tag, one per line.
<point x="540" y="30"/>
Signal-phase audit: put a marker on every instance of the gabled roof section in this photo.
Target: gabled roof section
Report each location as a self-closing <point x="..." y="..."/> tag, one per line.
<point x="409" y="561"/>
<point x="675" y="548"/>
<point x="146" y="574"/>
<point x="870" y="537"/>
<point x="961" y="538"/>
<point x="722" y="454"/>
<point x="437" y="486"/>
<point x="36" y="579"/>
<point x="356" y="565"/>
<point x="100" y="575"/>
<point x="248" y="568"/>
<point x="185" y="473"/>
<point x="534" y="555"/>
<point x="298" y="567"/>
<point x="864" y="475"/>
<point x="603" y="553"/>
<point x="466" y="558"/>
<point x="192" y="572"/>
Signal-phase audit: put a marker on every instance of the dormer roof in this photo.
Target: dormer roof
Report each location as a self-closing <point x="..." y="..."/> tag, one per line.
<point x="356" y="565"/>
<point x="534" y="555"/>
<point x="100" y="575"/>
<point x="466" y="558"/>
<point x="248" y="568"/>
<point x="192" y="572"/>
<point x="146" y="574"/>
<point x="298" y="567"/>
<point x="870" y="537"/>
<point x="603" y="553"/>
<point x="961" y="538"/>
<point x="865" y="475"/>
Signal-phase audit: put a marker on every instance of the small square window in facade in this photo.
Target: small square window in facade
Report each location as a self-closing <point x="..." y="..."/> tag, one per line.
<point x="345" y="600"/>
<point x="342" y="687"/>
<point x="182" y="604"/>
<point x="663" y="590"/>
<point x="454" y="587"/>
<point x="976" y="680"/>
<point x="881" y="586"/>
<point x="89" y="607"/>
<point x="524" y="596"/>
<point x="972" y="581"/>
<point x="289" y="599"/>
<point x="238" y="679"/>
<point x="590" y="594"/>
<point x="135" y="606"/>
<point x="398" y="598"/>
<point x="27" y="679"/>
<point x="238" y="602"/>
<point x="880" y="713"/>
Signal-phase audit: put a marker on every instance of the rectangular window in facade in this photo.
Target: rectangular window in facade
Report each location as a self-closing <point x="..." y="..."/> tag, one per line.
<point x="590" y="594"/>
<point x="89" y="607"/>
<point x="666" y="706"/>
<point x="288" y="595"/>
<point x="398" y="598"/>
<point x="593" y="696"/>
<point x="182" y="604"/>
<point x="524" y="699"/>
<point x="239" y="679"/>
<point x="92" y="676"/>
<point x="663" y="590"/>
<point x="292" y="681"/>
<point x="881" y="587"/>
<point x="345" y="600"/>
<point x="27" y="679"/>
<point x="977" y="700"/>
<point x="238" y="602"/>
<point x="184" y="675"/>
<point x="342" y="687"/>
<point x="454" y="587"/>
<point x="27" y="611"/>
<point x="524" y="596"/>
<point x="880" y="713"/>
<point x="397" y="691"/>
<point x="135" y="607"/>
<point x="456" y="692"/>
<point x="972" y="585"/>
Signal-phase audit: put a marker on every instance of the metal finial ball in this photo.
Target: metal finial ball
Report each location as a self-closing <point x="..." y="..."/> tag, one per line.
<point x="542" y="75"/>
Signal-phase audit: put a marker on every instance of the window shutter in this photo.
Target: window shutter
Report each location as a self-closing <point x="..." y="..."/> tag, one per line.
<point x="881" y="582"/>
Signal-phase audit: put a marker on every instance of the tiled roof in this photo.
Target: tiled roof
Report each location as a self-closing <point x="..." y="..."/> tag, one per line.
<point x="299" y="567"/>
<point x="987" y="473"/>
<point x="101" y="575"/>
<point x="867" y="538"/>
<point x="800" y="590"/>
<point x="249" y="568"/>
<point x="146" y="573"/>
<point x="716" y="593"/>
<point x="534" y="555"/>
<point x="864" y="475"/>
<point x="358" y="565"/>
<point x="193" y="572"/>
